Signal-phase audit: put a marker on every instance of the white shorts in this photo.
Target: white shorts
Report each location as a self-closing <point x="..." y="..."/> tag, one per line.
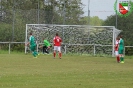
<point x="116" y="53"/>
<point x="57" y="48"/>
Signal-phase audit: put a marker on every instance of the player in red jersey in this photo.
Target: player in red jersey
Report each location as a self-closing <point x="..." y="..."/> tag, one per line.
<point x="116" y="49"/>
<point x="57" y="45"/>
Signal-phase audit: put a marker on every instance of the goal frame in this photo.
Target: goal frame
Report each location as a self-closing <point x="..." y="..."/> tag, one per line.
<point x="113" y="27"/>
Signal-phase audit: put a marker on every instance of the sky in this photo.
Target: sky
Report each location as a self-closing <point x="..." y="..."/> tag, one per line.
<point x="100" y="8"/>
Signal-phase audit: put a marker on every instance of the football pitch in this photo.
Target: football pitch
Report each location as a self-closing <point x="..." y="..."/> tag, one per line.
<point x="24" y="71"/>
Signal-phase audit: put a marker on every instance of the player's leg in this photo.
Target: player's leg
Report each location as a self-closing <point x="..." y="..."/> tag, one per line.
<point x="121" y="56"/>
<point x="117" y="56"/>
<point x="43" y="49"/>
<point x="54" y="53"/>
<point x="36" y="53"/>
<point x="46" y="50"/>
<point x="59" y="50"/>
<point x="33" y="51"/>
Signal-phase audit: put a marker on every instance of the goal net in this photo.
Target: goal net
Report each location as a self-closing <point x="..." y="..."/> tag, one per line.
<point x="77" y="39"/>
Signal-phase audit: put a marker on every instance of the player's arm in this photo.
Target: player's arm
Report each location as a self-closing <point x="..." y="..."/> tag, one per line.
<point x="27" y="44"/>
<point x="40" y="46"/>
<point x="119" y="43"/>
<point x="115" y="46"/>
<point x="60" y="40"/>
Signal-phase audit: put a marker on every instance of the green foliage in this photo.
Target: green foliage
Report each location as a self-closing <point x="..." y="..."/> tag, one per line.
<point x="5" y="32"/>
<point x="93" y="21"/>
<point x="18" y="13"/>
<point x="22" y="4"/>
<point x="17" y="47"/>
<point x="49" y="14"/>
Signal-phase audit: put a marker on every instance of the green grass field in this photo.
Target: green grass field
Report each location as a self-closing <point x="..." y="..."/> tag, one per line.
<point x="24" y="71"/>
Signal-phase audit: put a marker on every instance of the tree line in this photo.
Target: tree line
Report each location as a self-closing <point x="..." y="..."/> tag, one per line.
<point x="15" y="14"/>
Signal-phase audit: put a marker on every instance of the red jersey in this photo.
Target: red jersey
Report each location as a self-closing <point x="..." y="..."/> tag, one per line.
<point x="57" y="41"/>
<point x="116" y="45"/>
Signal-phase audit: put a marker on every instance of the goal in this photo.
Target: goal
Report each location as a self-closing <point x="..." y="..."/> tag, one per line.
<point x="77" y="39"/>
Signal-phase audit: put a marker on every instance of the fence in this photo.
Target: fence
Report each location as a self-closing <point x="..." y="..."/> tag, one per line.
<point x="7" y="45"/>
<point x="90" y="49"/>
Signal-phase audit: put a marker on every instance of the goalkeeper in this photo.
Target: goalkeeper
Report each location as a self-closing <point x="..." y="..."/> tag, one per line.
<point x="46" y="46"/>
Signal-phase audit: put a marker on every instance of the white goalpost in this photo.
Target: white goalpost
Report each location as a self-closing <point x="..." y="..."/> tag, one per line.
<point x="77" y="39"/>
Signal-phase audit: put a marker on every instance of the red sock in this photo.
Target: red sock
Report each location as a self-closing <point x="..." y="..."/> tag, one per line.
<point x="60" y="55"/>
<point x="118" y="58"/>
<point x="54" y="54"/>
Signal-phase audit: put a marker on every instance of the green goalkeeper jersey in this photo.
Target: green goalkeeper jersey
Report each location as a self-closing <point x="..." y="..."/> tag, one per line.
<point x="46" y="43"/>
<point x="32" y="41"/>
<point x="121" y="44"/>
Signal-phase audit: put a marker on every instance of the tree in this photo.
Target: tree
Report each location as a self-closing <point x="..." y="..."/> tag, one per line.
<point x="124" y="24"/>
<point x="23" y="12"/>
<point x="94" y="21"/>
